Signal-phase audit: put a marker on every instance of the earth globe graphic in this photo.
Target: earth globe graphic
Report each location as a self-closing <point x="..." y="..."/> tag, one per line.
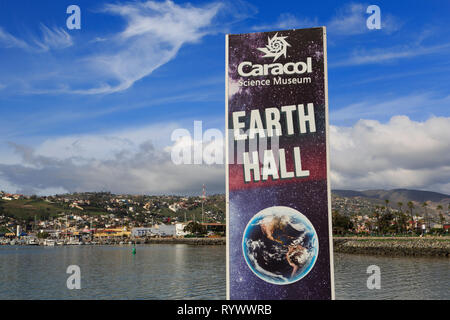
<point x="280" y="245"/>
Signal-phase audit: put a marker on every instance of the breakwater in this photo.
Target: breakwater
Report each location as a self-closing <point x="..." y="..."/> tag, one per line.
<point x="416" y="246"/>
<point x="192" y="241"/>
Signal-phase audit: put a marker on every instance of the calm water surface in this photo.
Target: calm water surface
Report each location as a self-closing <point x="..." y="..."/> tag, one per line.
<point x="401" y="277"/>
<point x="192" y="272"/>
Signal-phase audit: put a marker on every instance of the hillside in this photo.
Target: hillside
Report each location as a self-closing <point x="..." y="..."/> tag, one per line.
<point x="138" y="208"/>
<point x="369" y="199"/>
<point x="149" y="208"/>
<point x="396" y="195"/>
<point x="27" y="209"/>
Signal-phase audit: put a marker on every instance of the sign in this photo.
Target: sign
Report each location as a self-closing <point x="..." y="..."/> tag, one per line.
<point x="277" y="174"/>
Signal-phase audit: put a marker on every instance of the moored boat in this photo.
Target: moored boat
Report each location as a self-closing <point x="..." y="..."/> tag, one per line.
<point x="49" y="242"/>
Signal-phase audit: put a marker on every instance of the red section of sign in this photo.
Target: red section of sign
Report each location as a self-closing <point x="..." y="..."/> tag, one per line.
<point x="313" y="158"/>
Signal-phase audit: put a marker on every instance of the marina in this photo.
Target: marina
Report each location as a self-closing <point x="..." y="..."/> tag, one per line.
<point x="181" y="271"/>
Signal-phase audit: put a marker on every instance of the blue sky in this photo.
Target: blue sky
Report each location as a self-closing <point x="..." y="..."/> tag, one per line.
<point x="138" y="69"/>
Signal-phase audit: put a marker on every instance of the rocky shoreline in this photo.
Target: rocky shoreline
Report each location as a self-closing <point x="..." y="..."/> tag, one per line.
<point x="389" y="246"/>
<point x="414" y="246"/>
<point x="393" y="246"/>
<point x="192" y="241"/>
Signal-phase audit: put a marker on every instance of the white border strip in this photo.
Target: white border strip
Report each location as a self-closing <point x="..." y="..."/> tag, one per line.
<point x="227" y="194"/>
<point x="330" y="220"/>
<point x="227" y="199"/>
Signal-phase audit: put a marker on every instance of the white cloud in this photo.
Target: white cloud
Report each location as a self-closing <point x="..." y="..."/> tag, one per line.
<point x="143" y="171"/>
<point x="153" y="34"/>
<point x="351" y="20"/>
<point x="166" y="21"/>
<point x="56" y="38"/>
<point x="400" y="153"/>
<point x="348" y="20"/>
<point x="375" y="56"/>
<point x="105" y="146"/>
<point x="7" y="40"/>
<point x="133" y="161"/>
<point x="288" y="21"/>
<point x="421" y="105"/>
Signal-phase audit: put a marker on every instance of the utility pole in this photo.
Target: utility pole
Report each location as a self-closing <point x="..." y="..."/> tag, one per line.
<point x="203" y="200"/>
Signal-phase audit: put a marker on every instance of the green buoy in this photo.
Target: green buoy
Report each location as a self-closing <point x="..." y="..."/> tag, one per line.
<point x="134" y="251"/>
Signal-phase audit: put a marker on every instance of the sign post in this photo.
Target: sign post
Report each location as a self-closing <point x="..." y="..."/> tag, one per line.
<point x="279" y="236"/>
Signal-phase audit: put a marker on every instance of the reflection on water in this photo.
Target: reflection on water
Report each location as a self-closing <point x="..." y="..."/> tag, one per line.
<point x="107" y="272"/>
<point x="192" y="272"/>
<point x="401" y="277"/>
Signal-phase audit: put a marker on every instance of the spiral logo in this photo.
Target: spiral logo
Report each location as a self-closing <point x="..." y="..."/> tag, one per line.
<point x="276" y="47"/>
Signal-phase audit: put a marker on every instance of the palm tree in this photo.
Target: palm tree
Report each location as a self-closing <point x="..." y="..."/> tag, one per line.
<point x="376" y="216"/>
<point x="427" y="221"/>
<point x="411" y="207"/>
<point x="400" y="205"/>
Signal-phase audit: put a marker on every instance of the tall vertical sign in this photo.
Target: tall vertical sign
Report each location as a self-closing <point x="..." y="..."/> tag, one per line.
<point x="278" y="194"/>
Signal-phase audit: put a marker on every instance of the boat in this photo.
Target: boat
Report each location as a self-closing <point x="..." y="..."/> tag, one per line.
<point x="49" y="243"/>
<point x="74" y="242"/>
<point x="33" y="242"/>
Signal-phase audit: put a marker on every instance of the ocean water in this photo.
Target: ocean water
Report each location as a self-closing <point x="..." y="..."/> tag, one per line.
<point x="192" y="272"/>
<point x="404" y="278"/>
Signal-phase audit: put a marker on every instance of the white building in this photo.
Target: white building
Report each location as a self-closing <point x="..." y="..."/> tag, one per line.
<point x="179" y="229"/>
<point x="162" y="230"/>
<point x="141" y="232"/>
<point x="174" y="207"/>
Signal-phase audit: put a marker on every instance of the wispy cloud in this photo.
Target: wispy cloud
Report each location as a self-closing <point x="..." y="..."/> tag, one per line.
<point x="347" y="21"/>
<point x="420" y="105"/>
<point x="375" y="56"/>
<point x="56" y="38"/>
<point x="7" y="40"/>
<point x="351" y="20"/>
<point x="399" y="75"/>
<point x="288" y="21"/>
<point x="50" y="38"/>
<point x="153" y="35"/>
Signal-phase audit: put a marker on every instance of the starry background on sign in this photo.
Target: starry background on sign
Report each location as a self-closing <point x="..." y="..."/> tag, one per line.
<point x="307" y="195"/>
